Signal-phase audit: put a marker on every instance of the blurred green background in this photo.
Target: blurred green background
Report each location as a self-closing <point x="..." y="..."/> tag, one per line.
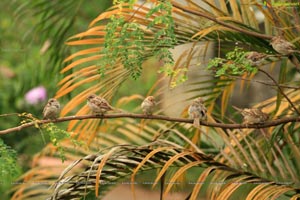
<point x="32" y="50"/>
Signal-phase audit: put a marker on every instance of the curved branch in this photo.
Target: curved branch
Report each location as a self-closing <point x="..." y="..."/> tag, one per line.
<point x="155" y="117"/>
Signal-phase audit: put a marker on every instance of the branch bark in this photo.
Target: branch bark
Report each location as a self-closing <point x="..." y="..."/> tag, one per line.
<point x="154" y="117"/>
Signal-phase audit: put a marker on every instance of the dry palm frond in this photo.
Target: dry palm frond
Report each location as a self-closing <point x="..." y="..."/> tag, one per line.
<point x="121" y="161"/>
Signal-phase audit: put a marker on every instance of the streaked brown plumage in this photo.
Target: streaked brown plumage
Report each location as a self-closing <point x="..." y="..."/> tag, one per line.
<point x="148" y="105"/>
<point x="51" y="109"/>
<point x="253" y="115"/>
<point x="98" y="104"/>
<point x="197" y="111"/>
<point x="255" y="58"/>
<point x="283" y="46"/>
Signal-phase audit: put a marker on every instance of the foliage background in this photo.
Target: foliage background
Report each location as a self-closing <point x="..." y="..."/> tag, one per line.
<point x="236" y="150"/>
<point x="27" y="61"/>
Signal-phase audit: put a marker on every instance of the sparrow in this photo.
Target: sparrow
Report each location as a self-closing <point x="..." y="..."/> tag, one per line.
<point x="197" y="111"/>
<point x="51" y="109"/>
<point x="148" y="105"/>
<point x="255" y="58"/>
<point x="283" y="46"/>
<point x="253" y="115"/>
<point x="98" y="104"/>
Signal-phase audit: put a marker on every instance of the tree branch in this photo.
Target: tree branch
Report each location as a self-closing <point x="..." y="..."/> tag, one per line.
<point x="264" y="82"/>
<point x="155" y="117"/>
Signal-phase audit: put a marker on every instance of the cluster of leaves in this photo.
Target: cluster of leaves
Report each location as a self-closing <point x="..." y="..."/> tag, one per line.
<point x="178" y="75"/>
<point x="164" y="38"/>
<point x="8" y="162"/>
<point x="234" y="64"/>
<point x="9" y="168"/>
<point x="57" y="136"/>
<point x="128" y="45"/>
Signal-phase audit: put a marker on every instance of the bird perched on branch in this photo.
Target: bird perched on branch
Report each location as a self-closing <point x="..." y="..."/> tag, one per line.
<point x="283" y="46"/>
<point x="148" y="105"/>
<point x="197" y="111"/>
<point x="255" y="58"/>
<point x="286" y="48"/>
<point x="51" y="109"/>
<point x="253" y="115"/>
<point x="98" y="104"/>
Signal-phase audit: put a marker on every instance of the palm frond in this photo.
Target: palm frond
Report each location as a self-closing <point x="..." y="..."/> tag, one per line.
<point x="125" y="160"/>
<point x="54" y="24"/>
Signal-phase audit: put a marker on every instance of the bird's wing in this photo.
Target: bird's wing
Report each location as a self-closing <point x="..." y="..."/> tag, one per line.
<point x="105" y="105"/>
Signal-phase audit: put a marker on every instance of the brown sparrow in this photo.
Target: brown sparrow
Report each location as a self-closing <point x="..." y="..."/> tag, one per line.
<point x="282" y="46"/>
<point x="253" y="115"/>
<point x="197" y="111"/>
<point x="255" y="58"/>
<point x="148" y="105"/>
<point x="98" y="104"/>
<point x="52" y="109"/>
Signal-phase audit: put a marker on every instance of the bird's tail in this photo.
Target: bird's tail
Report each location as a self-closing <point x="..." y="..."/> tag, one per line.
<point x="196" y="122"/>
<point x="238" y="109"/>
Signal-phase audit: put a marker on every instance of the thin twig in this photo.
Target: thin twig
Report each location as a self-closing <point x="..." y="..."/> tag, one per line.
<point x="280" y="90"/>
<point x="155" y="117"/>
<point x="264" y="82"/>
<point x="9" y="114"/>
